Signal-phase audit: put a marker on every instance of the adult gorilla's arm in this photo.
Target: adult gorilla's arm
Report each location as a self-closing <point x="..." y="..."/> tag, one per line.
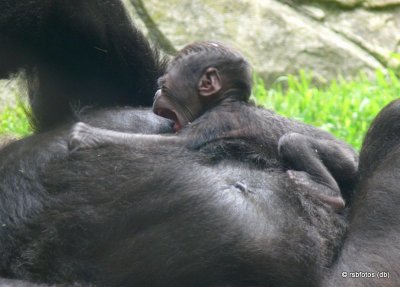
<point x="372" y="247"/>
<point x="80" y="53"/>
<point x="74" y="54"/>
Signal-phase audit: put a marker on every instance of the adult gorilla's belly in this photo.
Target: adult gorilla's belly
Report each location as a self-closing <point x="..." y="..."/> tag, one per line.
<point x="130" y="216"/>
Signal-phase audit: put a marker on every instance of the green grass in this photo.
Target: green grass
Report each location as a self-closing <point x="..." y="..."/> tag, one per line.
<point x="344" y="108"/>
<point x="13" y="120"/>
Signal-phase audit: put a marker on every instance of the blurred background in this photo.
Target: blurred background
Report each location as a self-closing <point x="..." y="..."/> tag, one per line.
<point x="328" y="37"/>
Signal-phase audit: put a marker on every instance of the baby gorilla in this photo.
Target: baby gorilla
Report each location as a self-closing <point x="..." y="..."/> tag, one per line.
<point x="205" y="92"/>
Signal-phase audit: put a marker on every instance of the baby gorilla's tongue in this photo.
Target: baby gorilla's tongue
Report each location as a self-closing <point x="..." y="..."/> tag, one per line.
<point x="177" y="126"/>
<point x="169" y="114"/>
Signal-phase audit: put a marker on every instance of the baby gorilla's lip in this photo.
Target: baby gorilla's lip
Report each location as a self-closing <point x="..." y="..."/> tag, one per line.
<point x="169" y="114"/>
<point x="166" y="113"/>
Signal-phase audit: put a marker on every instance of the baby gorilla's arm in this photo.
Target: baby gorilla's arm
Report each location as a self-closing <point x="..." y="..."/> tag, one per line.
<point x="85" y="136"/>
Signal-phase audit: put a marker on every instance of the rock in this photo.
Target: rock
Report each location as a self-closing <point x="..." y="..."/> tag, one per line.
<point x="380" y="3"/>
<point x="345" y="3"/>
<point x="11" y="91"/>
<point x="283" y="37"/>
<point x="377" y="32"/>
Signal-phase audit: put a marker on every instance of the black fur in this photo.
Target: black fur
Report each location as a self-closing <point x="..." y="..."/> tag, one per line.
<point x="165" y="216"/>
<point x="135" y="221"/>
<point x="74" y="55"/>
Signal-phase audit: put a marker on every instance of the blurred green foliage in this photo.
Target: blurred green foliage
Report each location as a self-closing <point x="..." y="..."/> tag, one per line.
<point x="13" y="120"/>
<point x="344" y="108"/>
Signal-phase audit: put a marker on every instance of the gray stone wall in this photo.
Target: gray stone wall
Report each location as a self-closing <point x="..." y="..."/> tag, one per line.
<point x="327" y="37"/>
<point x="8" y="91"/>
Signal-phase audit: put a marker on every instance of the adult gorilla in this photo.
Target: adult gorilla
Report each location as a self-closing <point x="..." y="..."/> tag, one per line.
<point x="134" y="216"/>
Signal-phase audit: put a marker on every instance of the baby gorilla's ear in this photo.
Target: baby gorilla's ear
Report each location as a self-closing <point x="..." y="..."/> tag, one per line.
<point x="210" y="83"/>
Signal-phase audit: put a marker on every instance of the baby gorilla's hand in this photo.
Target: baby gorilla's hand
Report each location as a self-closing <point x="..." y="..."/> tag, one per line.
<point x="83" y="136"/>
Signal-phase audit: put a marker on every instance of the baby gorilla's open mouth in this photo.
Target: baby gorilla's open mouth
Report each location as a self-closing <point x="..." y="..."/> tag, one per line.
<point x="169" y="114"/>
